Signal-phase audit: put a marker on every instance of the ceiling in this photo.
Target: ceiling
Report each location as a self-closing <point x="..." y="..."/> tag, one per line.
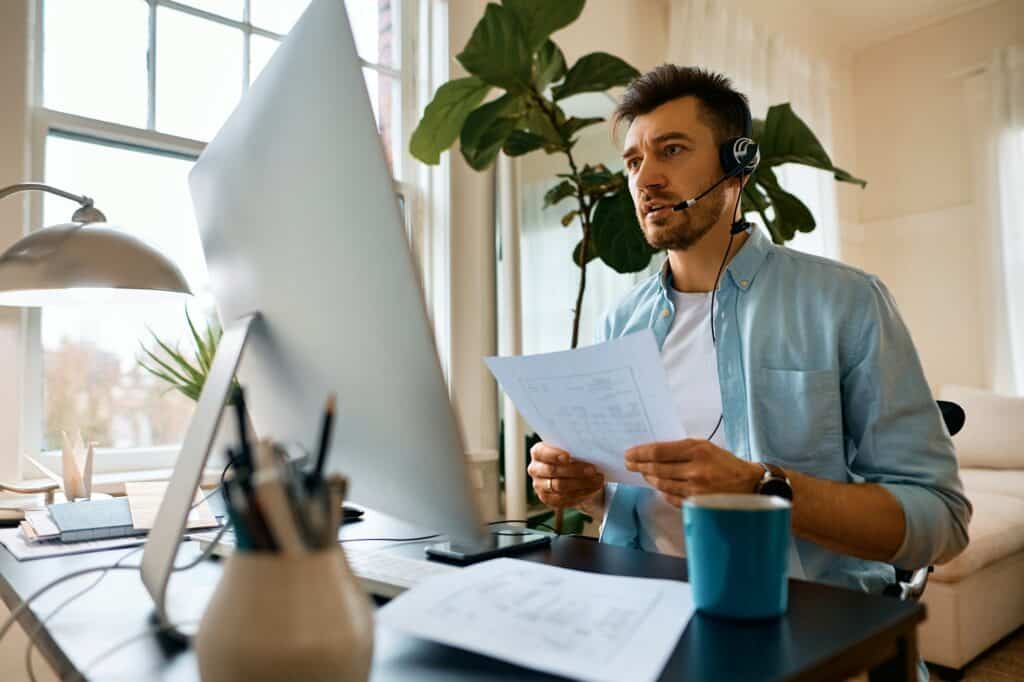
<point x="856" y="24"/>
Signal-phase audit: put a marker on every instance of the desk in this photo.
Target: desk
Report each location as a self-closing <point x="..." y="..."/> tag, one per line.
<point x="827" y="634"/>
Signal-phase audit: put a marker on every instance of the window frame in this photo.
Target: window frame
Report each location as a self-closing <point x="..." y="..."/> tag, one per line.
<point x="421" y="219"/>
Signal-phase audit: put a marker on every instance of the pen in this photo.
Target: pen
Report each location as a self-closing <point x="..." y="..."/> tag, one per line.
<point x="325" y="438"/>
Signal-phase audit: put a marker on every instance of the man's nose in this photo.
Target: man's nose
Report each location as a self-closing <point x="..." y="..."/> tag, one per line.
<point x="650" y="176"/>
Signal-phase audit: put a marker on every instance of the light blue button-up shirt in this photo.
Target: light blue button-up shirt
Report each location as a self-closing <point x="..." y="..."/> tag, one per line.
<point x="818" y="374"/>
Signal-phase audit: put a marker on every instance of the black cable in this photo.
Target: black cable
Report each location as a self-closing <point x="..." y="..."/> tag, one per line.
<point x="714" y="291"/>
<point x="422" y="537"/>
<point x="526" y="522"/>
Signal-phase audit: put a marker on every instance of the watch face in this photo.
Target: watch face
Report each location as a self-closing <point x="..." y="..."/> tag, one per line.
<point x="777" y="487"/>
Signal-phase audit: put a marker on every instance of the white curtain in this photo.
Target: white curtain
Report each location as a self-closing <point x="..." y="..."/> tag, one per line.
<point x="768" y="71"/>
<point x="1007" y="88"/>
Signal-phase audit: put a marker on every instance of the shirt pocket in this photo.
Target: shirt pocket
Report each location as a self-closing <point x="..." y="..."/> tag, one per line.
<point x="800" y="417"/>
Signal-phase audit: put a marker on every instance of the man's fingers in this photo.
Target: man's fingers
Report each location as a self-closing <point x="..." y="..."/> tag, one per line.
<point x="669" y="486"/>
<point x="574" y="470"/>
<point x="674" y="500"/>
<point x="567" y="485"/>
<point x="677" y="470"/>
<point x="542" y="452"/>
<point x="670" y="451"/>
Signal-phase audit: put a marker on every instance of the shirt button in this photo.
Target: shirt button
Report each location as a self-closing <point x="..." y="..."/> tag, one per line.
<point x="744" y="284"/>
<point x="665" y="312"/>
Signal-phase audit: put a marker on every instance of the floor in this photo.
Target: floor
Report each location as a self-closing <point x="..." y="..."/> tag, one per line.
<point x="1004" y="662"/>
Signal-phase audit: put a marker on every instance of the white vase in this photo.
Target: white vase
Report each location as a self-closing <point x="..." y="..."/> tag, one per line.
<point x="277" y="617"/>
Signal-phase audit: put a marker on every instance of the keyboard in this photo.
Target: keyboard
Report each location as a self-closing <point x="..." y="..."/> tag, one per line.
<point x="379" y="571"/>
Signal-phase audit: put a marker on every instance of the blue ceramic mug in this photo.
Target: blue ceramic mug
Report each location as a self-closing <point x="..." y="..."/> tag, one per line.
<point x="737" y="554"/>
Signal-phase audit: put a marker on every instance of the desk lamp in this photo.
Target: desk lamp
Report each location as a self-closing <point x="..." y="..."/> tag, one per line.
<point x="84" y="261"/>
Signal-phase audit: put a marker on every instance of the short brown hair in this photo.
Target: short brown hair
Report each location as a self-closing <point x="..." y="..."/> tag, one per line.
<point x="723" y="109"/>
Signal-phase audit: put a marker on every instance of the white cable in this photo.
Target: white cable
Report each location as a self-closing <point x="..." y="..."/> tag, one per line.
<point x="17" y="611"/>
<point x="31" y="644"/>
<point x="80" y="674"/>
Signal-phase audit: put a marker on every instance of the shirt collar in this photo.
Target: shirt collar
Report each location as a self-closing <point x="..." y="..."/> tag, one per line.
<point x="742" y="268"/>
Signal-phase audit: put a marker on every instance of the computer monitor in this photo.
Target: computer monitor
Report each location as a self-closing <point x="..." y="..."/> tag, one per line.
<point x="312" y="274"/>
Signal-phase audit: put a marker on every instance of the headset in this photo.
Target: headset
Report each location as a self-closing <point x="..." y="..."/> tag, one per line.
<point x="739" y="156"/>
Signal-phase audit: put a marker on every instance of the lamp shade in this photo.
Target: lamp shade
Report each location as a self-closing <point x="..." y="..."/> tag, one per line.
<point x="79" y="262"/>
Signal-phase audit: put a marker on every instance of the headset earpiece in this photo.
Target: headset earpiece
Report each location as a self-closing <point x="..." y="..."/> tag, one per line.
<point x="739" y="156"/>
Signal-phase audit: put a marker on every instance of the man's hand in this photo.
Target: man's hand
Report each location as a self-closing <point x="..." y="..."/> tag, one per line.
<point x="679" y="469"/>
<point x="560" y="481"/>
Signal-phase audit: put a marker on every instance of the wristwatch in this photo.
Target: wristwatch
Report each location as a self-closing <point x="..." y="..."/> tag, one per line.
<point x="774" y="482"/>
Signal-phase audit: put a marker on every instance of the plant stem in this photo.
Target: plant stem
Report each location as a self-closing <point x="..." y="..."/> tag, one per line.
<point x="584" y="214"/>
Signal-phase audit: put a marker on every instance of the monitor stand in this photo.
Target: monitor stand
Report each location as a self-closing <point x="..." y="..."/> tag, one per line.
<point x="499" y="543"/>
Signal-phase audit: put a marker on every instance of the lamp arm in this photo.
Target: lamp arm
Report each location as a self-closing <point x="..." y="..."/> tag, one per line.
<point x="25" y="186"/>
<point x="86" y="214"/>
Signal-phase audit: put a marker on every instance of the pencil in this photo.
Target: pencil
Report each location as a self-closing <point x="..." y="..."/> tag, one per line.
<point x="325" y="436"/>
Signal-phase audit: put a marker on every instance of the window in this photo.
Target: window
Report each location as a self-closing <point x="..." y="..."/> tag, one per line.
<point x="123" y="121"/>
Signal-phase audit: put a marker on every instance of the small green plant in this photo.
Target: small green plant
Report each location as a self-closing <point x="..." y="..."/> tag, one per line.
<point x="183" y="373"/>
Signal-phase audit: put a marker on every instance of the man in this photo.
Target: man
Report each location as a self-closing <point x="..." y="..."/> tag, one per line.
<point x="809" y="365"/>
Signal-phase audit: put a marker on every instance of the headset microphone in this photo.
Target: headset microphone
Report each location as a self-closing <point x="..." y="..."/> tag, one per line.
<point x="683" y="205"/>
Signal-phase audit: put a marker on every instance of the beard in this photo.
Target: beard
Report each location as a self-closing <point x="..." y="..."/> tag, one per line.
<point x="682" y="229"/>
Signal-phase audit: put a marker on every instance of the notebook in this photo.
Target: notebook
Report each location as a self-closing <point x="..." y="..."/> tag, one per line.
<point x="94" y="520"/>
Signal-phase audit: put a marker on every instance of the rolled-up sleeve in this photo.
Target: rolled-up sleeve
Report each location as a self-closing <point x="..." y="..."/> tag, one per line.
<point x="900" y="440"/>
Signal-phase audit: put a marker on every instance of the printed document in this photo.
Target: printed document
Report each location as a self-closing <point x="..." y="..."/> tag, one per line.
<point x="582" y="625"/>
<point x="595" y="402"/>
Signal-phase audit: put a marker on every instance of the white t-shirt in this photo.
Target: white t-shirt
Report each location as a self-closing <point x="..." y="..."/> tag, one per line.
<point x="688" y="355"/>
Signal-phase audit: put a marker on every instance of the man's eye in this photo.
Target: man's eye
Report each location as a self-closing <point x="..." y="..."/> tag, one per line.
<point x="673" y="149"/>
<point x="633" y="164"/>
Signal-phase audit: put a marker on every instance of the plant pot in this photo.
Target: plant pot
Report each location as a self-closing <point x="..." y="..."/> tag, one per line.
<point x="277" y="617"/>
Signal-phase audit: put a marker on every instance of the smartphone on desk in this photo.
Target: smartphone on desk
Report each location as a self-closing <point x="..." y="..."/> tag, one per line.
<point x="351" y="514"/>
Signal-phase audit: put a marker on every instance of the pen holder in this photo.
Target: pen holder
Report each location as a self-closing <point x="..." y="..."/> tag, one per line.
<point x="286" y="617"/>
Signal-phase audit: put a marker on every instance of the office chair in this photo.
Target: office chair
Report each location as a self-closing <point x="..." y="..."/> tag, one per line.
<point x="910" y="584"/>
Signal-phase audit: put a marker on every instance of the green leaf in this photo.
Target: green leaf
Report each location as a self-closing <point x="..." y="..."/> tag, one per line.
<point x="791" y="215"/>
<point x="569" y="217"/>
<point x="497" y="51"/>
<point x="595" y="72"/>
<point x="550" y="66"/>
<point x="574" y="125"/>
<point x="620" y="241"/>
<point x="204" y="356"/>
<point x="487" y="128"/>
<point x="521" y="142"/>
<point x="787" y="139"/>
<point x="541" y="18"/>
<point x="539" y="123"/>
<point x="560" y="191"/>
<point x="443" y="118"/>
<point x="591" y="251"/>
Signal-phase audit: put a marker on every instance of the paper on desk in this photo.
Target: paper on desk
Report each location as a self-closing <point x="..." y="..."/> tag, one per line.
<point x="595" y="402"/>
<point x="144" y="498"/>
<point x="582" y="625"/>
<point x="13" y="540"/>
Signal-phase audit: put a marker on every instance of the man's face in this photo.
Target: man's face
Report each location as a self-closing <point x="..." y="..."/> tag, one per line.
<point x="670" y="156"/>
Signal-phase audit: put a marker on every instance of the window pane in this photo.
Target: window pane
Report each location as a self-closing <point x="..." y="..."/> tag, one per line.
<point x="276" y="15"/>
<point x="385" y="99"/>
<point x="92" y="380"/>
<point x="94" y="59"/>
<point x="260" y="51"/>
<point x="199" y="74"/>
<point x="373" y="24"/>
<point x="375" y="29"/>
<point x="232" y="9"/>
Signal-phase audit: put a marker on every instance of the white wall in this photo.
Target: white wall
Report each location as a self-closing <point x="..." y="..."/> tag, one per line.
<point x="921" y="224"/>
